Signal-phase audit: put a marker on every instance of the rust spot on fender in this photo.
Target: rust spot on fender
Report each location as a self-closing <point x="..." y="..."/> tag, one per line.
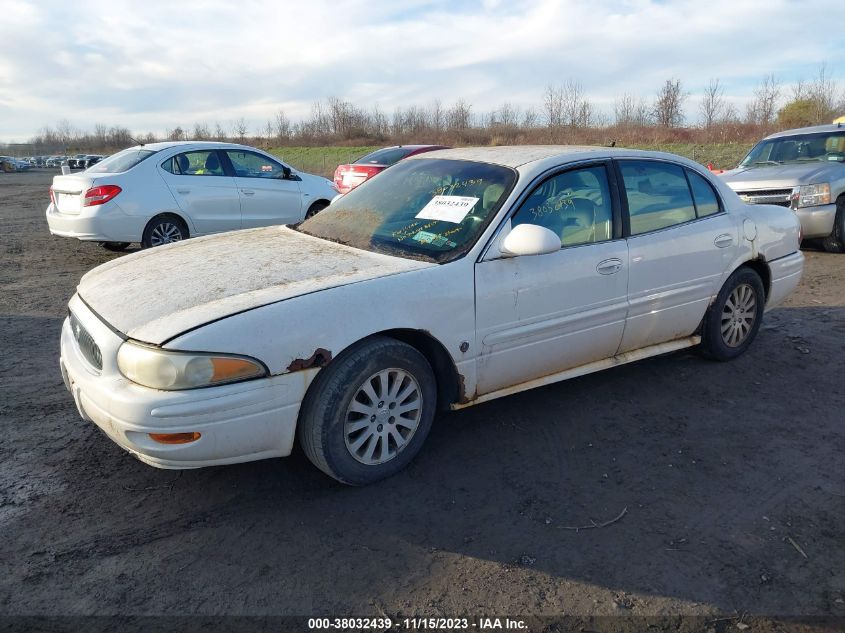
<point x="320" y="358"/>
<point x="463" y="398"/>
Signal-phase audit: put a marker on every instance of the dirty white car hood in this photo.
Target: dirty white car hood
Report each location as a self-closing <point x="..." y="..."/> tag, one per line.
<point x="157" y="294"/>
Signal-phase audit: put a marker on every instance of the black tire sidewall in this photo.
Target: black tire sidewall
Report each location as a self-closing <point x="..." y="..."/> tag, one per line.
<point x="314" y="209"/>
<point x="713" y="345"/>
<point x="161" y="219"/>
<point x="835" y="242"/>
<point x="324" y="408"/>
<point x="115" y="247"/>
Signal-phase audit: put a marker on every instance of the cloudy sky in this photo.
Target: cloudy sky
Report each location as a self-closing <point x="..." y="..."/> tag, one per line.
<point x="153" y="65"/>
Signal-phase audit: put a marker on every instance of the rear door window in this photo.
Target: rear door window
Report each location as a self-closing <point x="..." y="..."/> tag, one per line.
<point x="706" y="200"/>
<point x="658" y="195"/>
<point x="251" y="165"/>
<point x="204" y="163"/>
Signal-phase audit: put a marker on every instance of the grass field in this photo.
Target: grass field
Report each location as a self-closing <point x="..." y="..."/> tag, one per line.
<point x="323" y="160"/>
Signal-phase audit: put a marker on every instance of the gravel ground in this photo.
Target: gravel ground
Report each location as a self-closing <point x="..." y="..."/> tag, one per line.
<point x="732" y="476"/>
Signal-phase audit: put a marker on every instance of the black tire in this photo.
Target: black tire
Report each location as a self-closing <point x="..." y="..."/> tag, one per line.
<point x="315" y="208"/>
<point x="835" y="242"/>
<point x="717" y="344"/>
<point x="164" y="226"/>
<point x="115" y="246"/>
<point x="325" y="419"/>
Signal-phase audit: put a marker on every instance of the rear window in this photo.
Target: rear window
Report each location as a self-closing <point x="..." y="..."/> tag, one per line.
<point x="386" y="156"/>
<point x="120" y="162"/>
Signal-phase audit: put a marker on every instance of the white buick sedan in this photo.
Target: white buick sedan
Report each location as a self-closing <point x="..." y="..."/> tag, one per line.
<point x="166" y="192"/>
<point x="453" y="278"/>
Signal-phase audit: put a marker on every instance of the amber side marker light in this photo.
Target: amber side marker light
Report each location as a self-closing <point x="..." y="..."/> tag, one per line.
<point x="175" y="438"/>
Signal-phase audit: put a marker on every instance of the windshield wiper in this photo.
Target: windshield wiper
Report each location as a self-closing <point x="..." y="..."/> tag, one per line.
<point x="766" y="162"/>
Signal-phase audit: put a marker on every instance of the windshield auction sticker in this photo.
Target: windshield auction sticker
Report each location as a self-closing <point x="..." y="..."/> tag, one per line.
<point x="447" y="208"/>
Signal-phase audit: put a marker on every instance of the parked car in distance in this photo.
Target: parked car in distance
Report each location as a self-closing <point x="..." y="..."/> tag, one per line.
<point x="347" y="177"/>
<point x="92" y="159"/>
<point x="453" y="278"/>
<point x="804" y="170"/>
<point x="21" y="164"/>
<point x="165" y="192"/>
<point x="77" y="161"/>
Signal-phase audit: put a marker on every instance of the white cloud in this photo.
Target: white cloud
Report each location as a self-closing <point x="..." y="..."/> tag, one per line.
<point x="151" y="66"/>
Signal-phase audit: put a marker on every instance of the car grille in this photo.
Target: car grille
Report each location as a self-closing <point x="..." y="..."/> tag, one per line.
<point x="780" y="197"/>
<point x="87" y="346"/>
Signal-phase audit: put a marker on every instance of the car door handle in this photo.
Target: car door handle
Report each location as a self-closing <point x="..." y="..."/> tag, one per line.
<point x="184" y="191"/>
<point x="247" y="192"/>
<point x="724" y="240"/>
<point x="609" y="266"/>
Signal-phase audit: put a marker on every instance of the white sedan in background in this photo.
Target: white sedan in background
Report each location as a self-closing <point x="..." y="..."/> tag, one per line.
<point x="166" y="192"/>
<point x="453" y="278"/>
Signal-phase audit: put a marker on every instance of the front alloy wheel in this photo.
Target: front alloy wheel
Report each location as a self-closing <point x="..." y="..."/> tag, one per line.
<point x="383" y="416"/>
<point x="368" y="412"/>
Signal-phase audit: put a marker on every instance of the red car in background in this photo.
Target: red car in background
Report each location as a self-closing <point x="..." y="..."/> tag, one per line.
<point x="347" y="177"/>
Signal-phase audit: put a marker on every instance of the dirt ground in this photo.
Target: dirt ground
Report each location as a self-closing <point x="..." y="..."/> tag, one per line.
<point x="732" y="477"/>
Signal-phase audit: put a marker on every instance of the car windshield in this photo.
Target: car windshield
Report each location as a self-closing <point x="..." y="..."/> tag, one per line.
<point x="429" y="209"/>
<point x="120" y="162"/>
<point x="386" y="156"/>
<point x="799" y="148"/>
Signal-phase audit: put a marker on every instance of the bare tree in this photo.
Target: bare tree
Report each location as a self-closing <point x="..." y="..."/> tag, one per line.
<point x="201" y="132"/>
<point x="630" y="110"/>
<point x="176" y="134"/>
<point x="239" y="127"/>
<point x="530" y="118"/>
<point x="281" y="125"/>
<point x="459" y="116"/>
<point x="763" y="107"/>
<point x="713" y="104"/>
<point x="437" y="116"/>
<point x="553" y="106"/>
<point x="576" y="111"/>
<point x="822" y="94"/>
<point x="100" y="134"/>
<point x="668" y="107"/>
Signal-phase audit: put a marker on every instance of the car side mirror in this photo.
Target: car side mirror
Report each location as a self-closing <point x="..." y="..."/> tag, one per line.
<point x="285" y="172"/>
<point x="529" y="239"/>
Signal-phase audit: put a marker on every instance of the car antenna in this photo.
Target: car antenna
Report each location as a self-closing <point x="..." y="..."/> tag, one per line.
<point x="136" y="142"/>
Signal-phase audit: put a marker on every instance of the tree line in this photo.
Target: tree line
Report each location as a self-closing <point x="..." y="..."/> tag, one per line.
<point x="565" y="114"/>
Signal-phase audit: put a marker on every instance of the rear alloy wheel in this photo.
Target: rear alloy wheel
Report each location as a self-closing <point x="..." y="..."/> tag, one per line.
<point x="315" y="208"/>
<point x="835" y="242"/>
<point x="733" y="319"/>
<point x="368" y="413"/>
<point x="164" y="230"/>
<point x="115" y="246"/>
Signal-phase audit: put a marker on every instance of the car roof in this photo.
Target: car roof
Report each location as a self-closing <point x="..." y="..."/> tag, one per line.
<point x="523" y="156"/>
<point x="190" y="145"/>
<point x="829" y="127"/>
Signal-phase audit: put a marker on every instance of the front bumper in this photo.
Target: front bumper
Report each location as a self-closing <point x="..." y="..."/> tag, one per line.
<point x="816" y="221"/>
<point x="104" y="223"/>
<point x="238" y="423"/>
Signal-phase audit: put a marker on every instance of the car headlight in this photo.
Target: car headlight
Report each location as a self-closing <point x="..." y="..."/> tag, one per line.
<point x="162" y="369"/>
<point x="811" y="195"/>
